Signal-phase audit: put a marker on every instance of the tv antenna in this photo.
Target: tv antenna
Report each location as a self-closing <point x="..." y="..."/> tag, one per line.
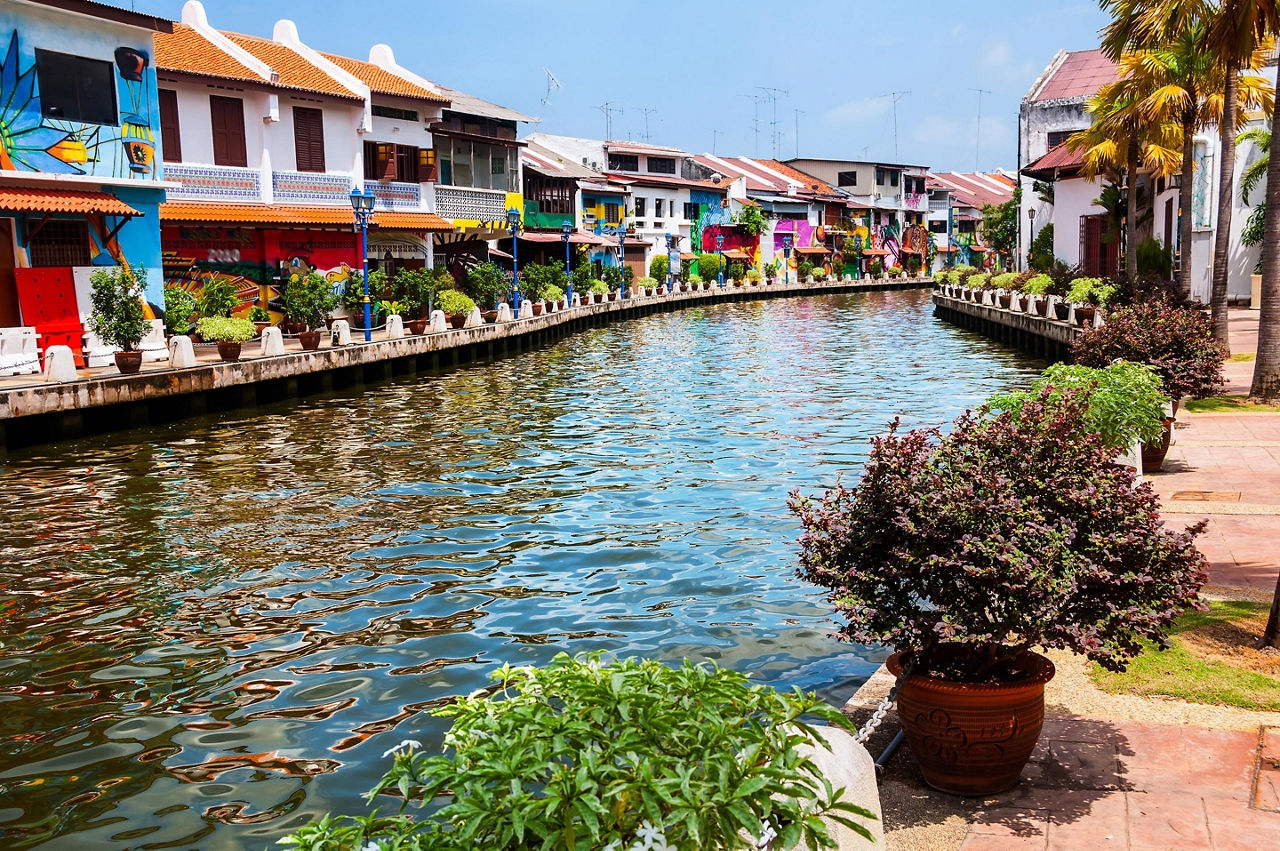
<point x="609" y="109"/>
<point x="977" y="153"/>
<point x="799" y="112"/>
<point x="772" y="95"/>
<point x="552" y="85"/>
<point x="714" y="135"/>
<point x="647" y="110"/>
<point x="897" y="96"/>
<point x="755" y="119"/>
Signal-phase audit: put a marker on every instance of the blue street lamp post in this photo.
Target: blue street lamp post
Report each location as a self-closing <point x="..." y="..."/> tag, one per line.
<point x="622" y="254"/>
<point x="787" y="241"/>
<point x="513" y="225"/>
<point x="362" y="204"/>
<point x="670" y="244"/>
<point x="566" y="229"/>
<point x="720" y="252"/>
<point x="857" y="247"/>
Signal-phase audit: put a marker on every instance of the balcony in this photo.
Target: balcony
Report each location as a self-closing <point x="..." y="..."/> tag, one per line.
<point x="915" y="201"/>
<point x="309" y="187"/>
<point x="392" y="195"/>
<point x="468" y="204"/>
<point x="213" y="183"/>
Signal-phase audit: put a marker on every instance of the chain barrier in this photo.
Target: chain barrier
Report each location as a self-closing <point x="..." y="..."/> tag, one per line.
<point x="877" y="717"/>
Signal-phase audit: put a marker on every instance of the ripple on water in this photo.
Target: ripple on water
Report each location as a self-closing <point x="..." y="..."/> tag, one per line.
<point x="212" y="630"/>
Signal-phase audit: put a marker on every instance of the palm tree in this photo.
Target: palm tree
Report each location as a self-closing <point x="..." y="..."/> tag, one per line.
<point x="1251" y="233"/>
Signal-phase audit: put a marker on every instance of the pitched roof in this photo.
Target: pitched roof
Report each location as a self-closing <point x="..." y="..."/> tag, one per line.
<point x="472" y="105"/>
<point x="295" y="72"/>
<point x="21" y="199"/>
<point x="109" y="12"/>
<point x="188" y="52"/>
<point x="382" y="81"/>
<point x="808" y="181"/>
<point x="546" y="161"/>
<point x="732" y="169"/>
<point x="1079" y="75"/>
<point x="974" y="190"/>
<point x="1058" y="160"/>
<point x="287" y="215"/>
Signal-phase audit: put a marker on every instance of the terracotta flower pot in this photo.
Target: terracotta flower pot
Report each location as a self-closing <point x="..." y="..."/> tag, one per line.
<point x="417" y="326"/>
<point x="459" y="320"/>
<point x="261" y="326"/>
<point x="310" y="340"/>
<point x="1062" y="311"/>
<point x="229" y="350"/>
<point x="128" y="362"/>
<point x="1042" y="307"/>
<point x="1084" y="315"/>
<point x="1153" y="454"/>
<point x="969" y="738"/>
<point x="1005" y="300"/>
<point x="490" y="316"/>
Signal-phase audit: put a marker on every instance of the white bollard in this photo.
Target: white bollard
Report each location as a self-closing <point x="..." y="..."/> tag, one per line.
<point x="60" y="364"/>
<point x="395" y="327"/>
<point x="341" y="332"/>
<point x="438" y="322"/>
<point x="474" y="318"/>
<point x="182" y="354"/>
<point x="272" y="341"/>
<point x="504" y="312"/>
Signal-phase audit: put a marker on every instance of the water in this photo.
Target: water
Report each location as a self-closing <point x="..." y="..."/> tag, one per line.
<point x="210" y="632"/>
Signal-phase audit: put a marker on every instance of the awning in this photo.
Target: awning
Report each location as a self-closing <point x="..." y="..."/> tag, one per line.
<point x="20" y="199"/>
<point x="284" y="215"/>
<point x="946" y="249"/>
<point x="976" y="248"/>
<point x="812" y="249"/>
<point x="578" y="237"/>
<point x="736" y="254"/>
<point x="875" y="252"/>
<point x="497" y="252"/>
<point x="688" y="255"/>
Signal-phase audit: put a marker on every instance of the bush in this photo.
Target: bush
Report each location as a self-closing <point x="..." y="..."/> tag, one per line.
<point x="258" y="313"/>
<point x="753" y="275"/>
<point x="178" y="307"/>
<point x="804" y="269"/>
<point x="976" y="281"/>
<point x="222" y="329"/>
<point x="709" y="266"/>
<point x="613" y="277"/>
<point x="1037" y="285"/>
<point x="353" y="292"/>
<point x="628" y="275"/>
<point x="658" y="267"/>
<point x="770" y="272"/>
<point x="597" y="288"/>
<point x="117" y="315"/>
<point x="1154" y="259"/>
<point x="895" y="271"/>
<point x="1010" y="532"/>
<point x="587" y="755"/>
<point x="1007" y="281"/>
<point x="309" y="300"/>
<point x="1176" y="341"/>
<point x="876" y="267"/>
<point x="553" y="293"/>
<point x="695" y="278"/>
<point x="453" y="302"/>
<point x="837" y="267"/>
<point x="1124" y="400"/>
<point x="646" y="282"/>
<point x="686" y="269"/>
<point x="486" y="284"/>
<point x="737" y="271"/>
<point x="217" y="298"/>
<point x="1093" y="291"/>
<point x="415" y="289"/>
<point x="1041" y="254"/>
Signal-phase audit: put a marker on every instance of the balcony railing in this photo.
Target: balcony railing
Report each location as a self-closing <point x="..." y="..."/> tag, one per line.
<point x="480" y="205"/>
<point x="213" y="183"/>
<point x="914" y="201"/>
<point x="392" y="195"/>
<point x="311" y="187"/>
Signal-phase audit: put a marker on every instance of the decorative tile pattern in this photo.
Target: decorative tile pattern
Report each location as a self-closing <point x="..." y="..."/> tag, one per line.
<point x="315" y="187"/>
<point x="481" y="205"/>
<point x="213" y="182"/>
<point x="396" y="196"/>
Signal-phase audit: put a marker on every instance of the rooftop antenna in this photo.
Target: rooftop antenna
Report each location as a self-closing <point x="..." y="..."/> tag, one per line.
<point x="755" y="120"/>
<point x="552" y="85"/>
<point x="646" y="110"/>
<point x="714" y="135"/>
<point x="609" y="109"/>
<point x="799" y="112"/>
<point x="897" y="96"/>
<point x="772" y="94"/>
<point x="977" y="154"/>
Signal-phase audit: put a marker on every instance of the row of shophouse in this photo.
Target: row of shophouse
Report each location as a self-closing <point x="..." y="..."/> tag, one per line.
<point x="200" y="153"/>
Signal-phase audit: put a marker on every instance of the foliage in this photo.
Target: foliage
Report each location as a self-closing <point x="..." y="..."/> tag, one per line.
<point x="1093" y="291"/>
<point x="583" y="275"/>
<point x="895" y="271"/>
<point x="1012" y="531"/>
<point x="695" y="278"/>
<point x="753" y="275"/>
<point x="390" y="308"/>
<point x="1000" y="224"/>
<point x="737" y="271"/>
<point x="223" y="329"/>
<point x="837" y="267"/>
<point x="1124" y="399"/>
<point x="553" y="294"/>
<point x="217" y="297"/>
<point x="978" y="281"/>
<point x="1154" y="258"/>
<point x="591" y="755"/>
<point x="613" y="277"/>
<point x="1007" y="281"/>
<point x="453" y="302"/>
<point x="1176" y="341"/>
<point x="415" y="289"/>
<point x="353" y="293"/>
<point x="117" y="315"/>
<point x="646" y="282"/>
<point x="258" y="313"/>
<point x="686" y="269"/>
<point x="1256" y="172"/>
<point x="308" y="300"/>
<point x="628" y="275"/>
<point x="1040" y="256"/>
<point x="709" y="266"/>
<point x="659" y="266"/>
<point x="770" y="272"/>
<point x="804" y="269"/>
<point x="178" y="307"/>
<point x="597" y="287"/>
<point x="876" y="267"/>
<point x="750" y="221"/>
<point x="487" y="285"/>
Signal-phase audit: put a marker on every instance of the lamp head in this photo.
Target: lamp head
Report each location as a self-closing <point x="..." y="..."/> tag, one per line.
<point x="513" y="218"/>
<point x="857" y="242"/>
<point x="719" y="240"/>
<point x="1031" y="214"/>
<point x="566" y="228"/>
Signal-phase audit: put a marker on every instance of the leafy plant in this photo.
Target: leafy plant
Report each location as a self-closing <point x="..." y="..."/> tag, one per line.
<point x="1011" y="531"/>
<point x="453" y="302"/>
<point x="753" y="275"/>
<point x="895" y="271"/>
<point x="750" y="221"/>
<point x="709" y="266"/>
<point x="977" y="281"/>
<point x="390" y="308"/>
<point x="1007" y="281"/>
<point x="1176" y="341"/>
<point x="645" y="283"/>
<point x="737" y="271"/>
<point x="217" y="298"/>
<point x="353" y="292"/>
<point x="658" y="267"/>
<point x="178" y="307"/>
<point x="1124" y="399"/>
<point x="770" y="272"/>
<point x="804" y="269"/>
<point x="695" y="278"/>
<point x="553" y="293"/>
<point x="1093" y="291"/>
<point x="592" y="755"/>
<point x="876" y="267"/>
<point x="415" y="290"/>
<point x="258" y="313"/>
<point x="487" y="285"/>
<point x="1155" y="259"/>
<point x="224" y="329"/>
<point x="628" y="275"/>
<point x="117" y="315"/>
<point x="597" y="287"/>
<point x="837" y="267"/>
<point x="686" y="269"/>
<point x="1038" y="285"/>
<point x="309" y="300"/>
<point x="612" y="277"/>
<point x="1040" y="257"/>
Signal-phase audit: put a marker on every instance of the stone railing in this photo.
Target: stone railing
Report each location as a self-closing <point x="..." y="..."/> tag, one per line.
<point x="469" y="204"/>
<point x="1054" y="309"/>
<point x="213" y="183"/>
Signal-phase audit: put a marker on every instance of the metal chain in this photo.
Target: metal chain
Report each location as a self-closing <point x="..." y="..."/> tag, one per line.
<point x="877" y="717"/>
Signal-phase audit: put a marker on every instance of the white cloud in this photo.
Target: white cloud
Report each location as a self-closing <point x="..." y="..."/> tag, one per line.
<point x="859" y="111"/>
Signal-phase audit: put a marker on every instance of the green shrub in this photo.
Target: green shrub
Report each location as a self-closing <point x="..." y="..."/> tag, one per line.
<point x="770" y="272"/>
<point x="737" y="270"/>
<point x="553" y="293"/>
<point x="895" y="271"/>
<point x="353" y="293"/>
<point x="686" y="269"/>
<point x="837" y="267"/>
<point x="1040" y="258"/>
<point x="486" y="284"/>
<point x="695" y="278"/>
<point x="1093" y="291"/>
<point x="646" y="282"/>
<point x="597" y="287"/>
<point x="876" y="267"/>
<point x="709" y="266"/>
<point x="753" y="275"/>
<point x="804" y="269"/>
<point x="583" y="274"/>
<point x="976" y="281"/>
<point x="178" y="307"/>
<point x="258" y="313"/>
<point x="591" y="755"/>
<point x="217" y="298"/>
<point x="628" y="275"/>
<point x="223" y="329"/>
<point x="1007" y="281"/>
<point x="117" y="315"/>
<point x="1037" y="285"/>
<point x="613" y="277"/>
<point x="453" y="302"/>
<point x="309" y="300"/>
<point x="658" y="267"/>
<point x="1154" y="259"/>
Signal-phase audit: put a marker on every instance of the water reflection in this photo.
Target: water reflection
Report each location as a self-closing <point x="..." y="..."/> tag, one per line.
<point x="211" y="631"/>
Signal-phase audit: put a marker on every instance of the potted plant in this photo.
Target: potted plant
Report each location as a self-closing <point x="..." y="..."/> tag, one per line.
<point x="353" y="296"/>
<point x="1088" y="294"/>
<point x="631" y="754"/>
<point x="770" y="273"/>
<point x="308" y="301"/>
<point x="457" y="306"/>
<point x="895" y="271"/>
<point x="229" y="333"/>
<point x="260" y="317"/>
<point x="1004" y="288"/>
<point x="737" y="272"/>
<point x="179" y="305"/>
<point x="753" y="277"/>
<point x="876" y="267"/>
<point x="217" y="298"/>
<point x="117" y="315"/>
<point x="965" y="551"/>
<point x="1038" y="285"/>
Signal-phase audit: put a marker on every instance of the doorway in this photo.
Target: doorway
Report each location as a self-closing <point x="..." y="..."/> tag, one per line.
<point x="10" y="312"/>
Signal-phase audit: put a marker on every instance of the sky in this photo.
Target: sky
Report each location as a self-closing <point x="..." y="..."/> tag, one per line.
<point x="695" y="76"/>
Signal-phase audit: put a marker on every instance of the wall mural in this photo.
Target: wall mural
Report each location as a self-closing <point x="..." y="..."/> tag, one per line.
<point x="30" y="141"/>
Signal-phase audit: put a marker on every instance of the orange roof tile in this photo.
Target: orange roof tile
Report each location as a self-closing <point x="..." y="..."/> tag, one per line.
<point x="188" y="52"/>
<point x="808" y="181"/>
<point x="295" y="72"/>
<point x="62" y="201"/>
<point x="381" y="80"/>
<point x="277" y="214"/>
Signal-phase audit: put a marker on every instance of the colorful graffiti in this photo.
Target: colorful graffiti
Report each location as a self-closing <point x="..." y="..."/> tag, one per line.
<point x="31" y="141"/>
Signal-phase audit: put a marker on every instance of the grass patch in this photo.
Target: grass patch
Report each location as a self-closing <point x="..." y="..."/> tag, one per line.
<point x="1244" y="357"/>
<point x="1228" y="404"/>
<point x="1212" y="660"/>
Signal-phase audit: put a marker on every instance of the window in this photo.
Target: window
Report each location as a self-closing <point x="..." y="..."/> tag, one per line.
<point x="657" y="207"/>
<point x="847" y="178"/>
<point x="60" y="243"/>
<point x="938" y="226"/>
<point x="73" y="88"/>
<point x="170" y="138"/>
<point x="308" y="138"/>
<point x="693" y="212"/>
<point x="881" y="176"/>
<point x="624" y="162"/>
<point x="893" y="178"/>
<point x="385" y="161"/>
<point x="227" y="118"/>
<point x="611" y="213"/>
<point x="395" y="112"/>
<point x="662" y="165"/>
<point x="497" y="163"/>
<point x="640" y="213"/>
<point x="407" y="163"/>
<point x="1057" y="137"/>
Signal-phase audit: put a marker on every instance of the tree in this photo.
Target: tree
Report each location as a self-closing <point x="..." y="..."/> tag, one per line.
<point x="1251" y="233"/>
<point x="1000" y="224"/>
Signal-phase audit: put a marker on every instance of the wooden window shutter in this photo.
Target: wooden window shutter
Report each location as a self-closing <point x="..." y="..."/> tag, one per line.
<point x="227" y="118"/>
<point x="427" y="165"/>
<point x="170" y="139"/>
<point x="386" y="161"/>
<point x="308" y="138"/>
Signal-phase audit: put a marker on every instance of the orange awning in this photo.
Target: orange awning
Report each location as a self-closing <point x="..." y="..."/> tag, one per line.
<point x="736" y="254"/>
<point x="811" y="249"/>
<point x="277" y="214"/>
<point x="22" y="199"/>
